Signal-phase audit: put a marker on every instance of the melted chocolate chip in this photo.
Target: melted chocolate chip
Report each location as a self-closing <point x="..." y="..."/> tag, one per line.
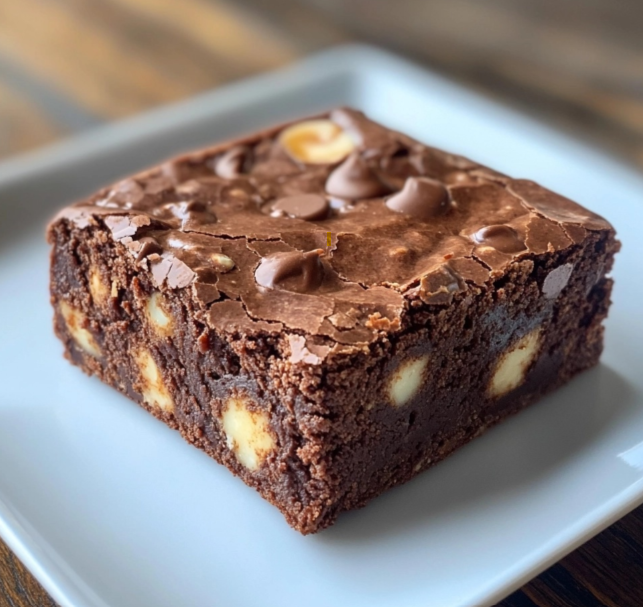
<point x="297" y="271"/>
<point x="303" y="206"/>
<point x="354" y="179"/>
<point x="501" y="237"/>
<point x="230" y="165"/>
<point x="422" y="197"/>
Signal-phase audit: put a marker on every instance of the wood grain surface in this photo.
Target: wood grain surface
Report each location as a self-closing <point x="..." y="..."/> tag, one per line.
<point x="67" y="65"/>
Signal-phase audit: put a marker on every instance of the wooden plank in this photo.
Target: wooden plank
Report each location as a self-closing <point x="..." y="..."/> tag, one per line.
<point x="116" y="58"/>
<point x="22" y="124"/>
<point x="18" y="588"/>
<point x="227" y="32"/>
<point x="578" y="64"/>
<point x="179" y="59"/>
<point x="306" y="28"/>
<point x="77" y="57"/>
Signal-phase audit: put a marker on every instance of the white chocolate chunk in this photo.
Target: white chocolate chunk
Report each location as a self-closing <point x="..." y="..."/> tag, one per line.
<point x="407" y="380"/>
<point x="222" y="263"/>
<point x="98" y="289"/>
<point x="154" y="390"/>
<point x="76" y="321"/>
<point x="247" y="433"/>
<point x="511" y="369"/>
<point x="160" y="320"/>
<point x="316" y="142"/>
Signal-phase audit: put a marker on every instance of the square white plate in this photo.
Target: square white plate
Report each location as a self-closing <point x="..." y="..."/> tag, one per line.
<point x="108" y="507"/>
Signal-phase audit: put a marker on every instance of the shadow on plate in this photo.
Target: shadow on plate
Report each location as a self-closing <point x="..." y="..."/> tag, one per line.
<point x="520" y="451"/>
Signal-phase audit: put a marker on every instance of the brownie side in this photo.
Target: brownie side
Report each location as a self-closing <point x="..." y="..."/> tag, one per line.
<point x="199" y="371"/>
<point x="378" y="446"/>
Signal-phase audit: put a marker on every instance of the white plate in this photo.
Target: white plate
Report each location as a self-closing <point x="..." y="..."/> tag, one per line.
<point x="108" y="507"/>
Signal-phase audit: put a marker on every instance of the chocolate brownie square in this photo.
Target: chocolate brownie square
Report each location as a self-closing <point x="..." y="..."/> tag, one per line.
<point x="329" y="307"/>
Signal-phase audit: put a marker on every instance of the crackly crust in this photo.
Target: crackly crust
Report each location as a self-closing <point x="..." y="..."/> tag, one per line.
<point x="370" y="279"/>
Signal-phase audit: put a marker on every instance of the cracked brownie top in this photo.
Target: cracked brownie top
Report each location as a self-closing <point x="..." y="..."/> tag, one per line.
<point x="329" y="227"/>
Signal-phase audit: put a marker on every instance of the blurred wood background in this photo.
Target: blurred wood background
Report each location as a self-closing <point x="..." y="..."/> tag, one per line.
<point x="68" y="65"/>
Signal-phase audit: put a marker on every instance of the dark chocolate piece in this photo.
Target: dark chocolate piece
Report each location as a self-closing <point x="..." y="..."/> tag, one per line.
<point x="501" y="237"/>
<point x="354" y="179"/>
<point x="422" y="197"/>
<point x="303" y="206"/>
<point x="296" y="271"/>
<point x="329" y="308"/>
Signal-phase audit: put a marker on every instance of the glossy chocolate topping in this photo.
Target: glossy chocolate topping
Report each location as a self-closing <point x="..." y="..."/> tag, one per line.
<point x="355" y="179"/>
<point x="504" y="238"/>
<point x="296" y="271"/>
<point x="421" y="197"/>
<point x="302" y="206"/>
<point x="400" y="223"/>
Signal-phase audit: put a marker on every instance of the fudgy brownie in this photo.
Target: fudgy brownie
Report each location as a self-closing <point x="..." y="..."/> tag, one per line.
<point x="329" y="307"/>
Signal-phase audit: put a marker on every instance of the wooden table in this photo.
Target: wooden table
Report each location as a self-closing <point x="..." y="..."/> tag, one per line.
<point x="67" y="65"/>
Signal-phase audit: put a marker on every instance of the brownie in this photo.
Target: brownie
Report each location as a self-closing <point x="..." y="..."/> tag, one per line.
<point x="328" y="308"/>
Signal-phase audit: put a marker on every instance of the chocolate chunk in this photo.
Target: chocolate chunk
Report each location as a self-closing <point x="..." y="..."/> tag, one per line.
<point x="303" y="206"/>
<point x="501" y="237"/>
<point x="147" y="246"/>
<point x="422" y="197"/>
<point x="230" y="164"/>
<point x="297" y="271"/>
<point x="123" y="226"/>
<point x="354" y="179"/>
<point x="557" y="280"/>
<point x="171" y="269"/>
